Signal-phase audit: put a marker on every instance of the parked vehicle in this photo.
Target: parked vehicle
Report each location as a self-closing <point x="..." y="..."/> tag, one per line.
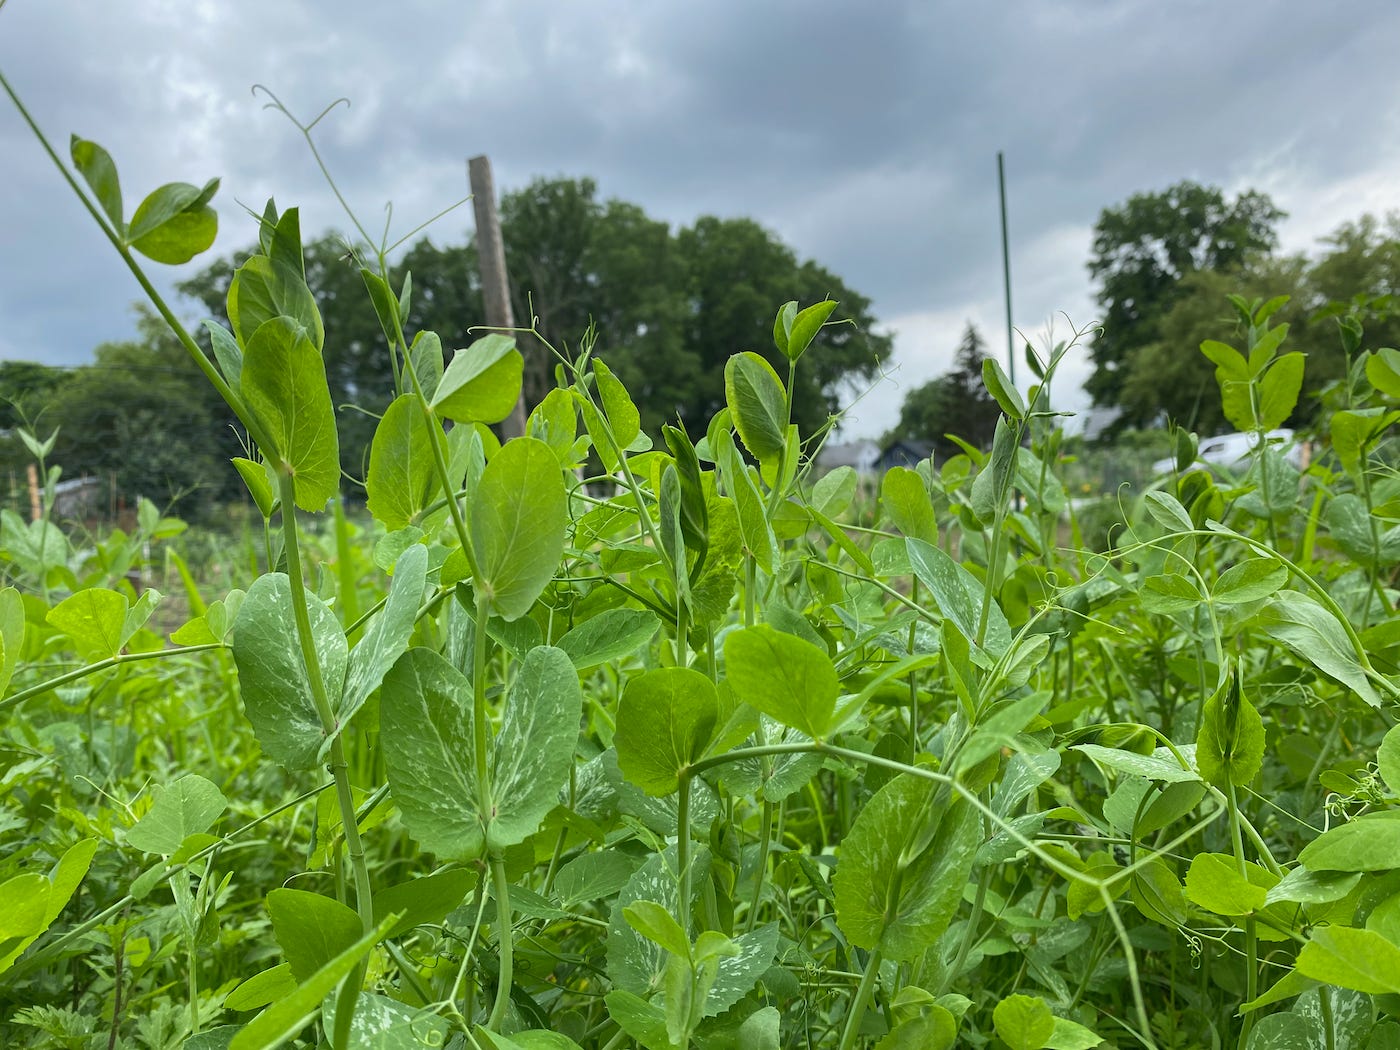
<point x="1232" y="452"/>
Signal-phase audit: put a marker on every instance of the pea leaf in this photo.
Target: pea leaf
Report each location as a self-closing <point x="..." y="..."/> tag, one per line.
<point x="11" y="634"/>
<point x="381" y="1023"/>
<point x="665" y="721"/>
<point x="190" y="806"/>
<point x="783" y="676"/>
<point x="1214" y="883"/>
<point x="1314" y="634"/>
<point x="1024" y="1022"/>
<point x="284" y="386"/>
<point x="614" y="634"/>
<point x="94" y="618"/>
<point x="1249" y="581"/>
<point x="1230" y="744"/>
<point x="1351" y="958"/>
<point x="518" y="517"/>
<point x="1370" y="842"/>
<point x="311" y="929"/>
<point x="402" y="479"/>
<point x="621" y="413"/>
<point x="97" y="169"/>
<point x="756" y="401"/>
<point x="1279" y="390"/>
<point x="801" y="328"/>
<point x="272" y="676"/>
<point x="906" y="502"/>
<point x="264" y="288"/>
<point x="425" y="900"/>
<point x="887" y="898"/>
<point x="174" y="223"/>
<point x="482" y="382"/>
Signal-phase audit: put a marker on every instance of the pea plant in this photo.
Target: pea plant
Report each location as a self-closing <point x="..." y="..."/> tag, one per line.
<point x="591" y="741"/>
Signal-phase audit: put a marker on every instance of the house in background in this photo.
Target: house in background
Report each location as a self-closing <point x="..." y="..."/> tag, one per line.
<point x="863" y="456"/>
<point x="903" y="452"/>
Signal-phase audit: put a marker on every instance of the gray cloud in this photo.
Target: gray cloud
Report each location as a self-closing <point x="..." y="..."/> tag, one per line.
<point x="864" y="134"/>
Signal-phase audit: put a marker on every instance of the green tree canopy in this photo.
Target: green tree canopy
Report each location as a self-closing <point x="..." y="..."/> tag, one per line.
<point x="955" y="403"/>
<point x="1143" y="251"/>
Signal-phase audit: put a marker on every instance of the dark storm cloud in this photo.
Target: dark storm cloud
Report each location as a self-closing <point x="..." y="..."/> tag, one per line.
<point x="865" y="134"/>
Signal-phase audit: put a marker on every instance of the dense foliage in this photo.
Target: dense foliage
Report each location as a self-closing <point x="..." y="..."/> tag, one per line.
<point x="703" y="751"/>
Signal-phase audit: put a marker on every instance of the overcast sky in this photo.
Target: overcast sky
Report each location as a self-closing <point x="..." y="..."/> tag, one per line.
<point x="864" y="133"/>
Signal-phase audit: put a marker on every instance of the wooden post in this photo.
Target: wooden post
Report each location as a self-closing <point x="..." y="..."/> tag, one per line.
<point x="35" y="511"/>
<point x="491" y="256"/>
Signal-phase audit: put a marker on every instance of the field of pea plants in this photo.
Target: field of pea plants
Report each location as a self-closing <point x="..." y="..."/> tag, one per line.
<point x="590" y="741"/>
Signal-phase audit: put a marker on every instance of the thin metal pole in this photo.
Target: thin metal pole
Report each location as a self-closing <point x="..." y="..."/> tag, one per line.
<point x="1006" y="270"/>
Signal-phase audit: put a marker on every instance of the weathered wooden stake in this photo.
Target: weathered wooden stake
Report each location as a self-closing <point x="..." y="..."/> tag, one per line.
<point x="491" y="256"/>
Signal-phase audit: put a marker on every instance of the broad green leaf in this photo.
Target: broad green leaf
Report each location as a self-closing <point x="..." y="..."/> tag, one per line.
<point x="63" y="882"/>
<point x="1068" y="1035"/>
<point x="1158" y="894"/>
<point x="1230" y="743"/>
<point x="755" y="528"/>
<point x="1351" y="958"/>
<point x="1249" y="581"/>
<point x="594" y="876"/>
<point x="635" y="964"/>
<point x="1388" y="759"/>
<point x="262" y="989"/>
<point x="288" y="1016"/>
<point x="906" y="502"/>
<point x="1289" y="985"/>
<point x="97" y="169"/>
<point x="757" y="404"/>
<point x="643" y="1021"/>
<point x="740" y="971"/>
<point x="1383" y="370"/>
<point x="402" y="478"/>
<point x="782" y="325"/>
<point x="958" y="595"/>
<point x="482" y="382"/>
<point x="534" y="750"/>
<point x="424" y="901"/>
<point x="386" y="307"/>
<point x="425" y="730"/>
<point x="284" y="388"/>
<point x="1168" y="512"/>
<point x="387" y="637"/>
<point x="834" y="490"/>
<point x="24" y="901"/>
<point x="11" y="634"/>
<point x="311" y="929"/>
<point x="659" y="926"/>
<point x="555" y="422"/>
<point x="1279" y="390"/>
<point x="621" y="413"/>
<point x="272" y="676"/>
<point x="888" y="899"/>
<point x="94" y="619"/>
<point x="614" y="634"/>
<point x="263" y="289"/>
<point x="1024" y="1022"/>
<point x="784" y="677"/>
<point x="1214" y="883"/>
<point x="1229" y="362"/>
<point x="190" y="806"/>
<point x="669" y="527"/>
<point x="426" y="360"/>
<point x="1169" y="593"/>
<point x="1314" y="634"/>
<point x="802" y="328"/>
<point x="174" y="223"/>
<point x="665" y="721"/>
<point x="517" y="519"/>
<point x="381" y="1023"/>
<point x="934" y="1030"/>
<point x="1370" y="842"/>
<point x="1007" y="397"/>
<point x="1355" y="431"/>
<point x="1312" y="887"/>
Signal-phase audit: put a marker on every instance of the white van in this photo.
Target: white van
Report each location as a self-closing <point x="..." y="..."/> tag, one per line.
<point x="1232" y="452"/>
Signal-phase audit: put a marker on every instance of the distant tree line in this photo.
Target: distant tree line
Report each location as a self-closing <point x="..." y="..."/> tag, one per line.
<point x="666" y="307"/>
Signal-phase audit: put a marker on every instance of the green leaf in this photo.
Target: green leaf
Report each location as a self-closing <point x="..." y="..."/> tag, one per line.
<point x="24" y="901"/>
<point x="1214" y="883"/>
<point x="635" y="964"/>
<point x="62" y="882"/>
<point x="641" y="1020"/>
<point x="1370" y="842"/>
<point x="1024" y="1022"/>
<point x="906" y="502"/>
<point x="757" y="404"/>
<point x="785" y="677"/>
<point x="424" y="901"/>
<point x="255" y="478"/>
<point x="284" y="387"/>
<point x="782" y="325"/>
<point x="402" y="479"/>
<point x="1168" y="512"/>
<point x="1351" y="958"/>
<point x="1007" y="397"/>
<point x="1383" y="370"/>
<point x="1249" y="581"/>
<point x="288" y="1016"/>
<point x="1279" y="390"/>
<point x="934" y="1030"/>
<point x="97" y="169"/>
<point x="381" y="1023"/>
<point x="755" y="529"/>
<point x="190" y="806"/>
<point x="593" y="876"/>
<point x="534" y="750"/>
<point x="741" y="968"/>
<point x="425" y="358"/>
<point x="958" y="595"/>
<point x="386" y="307"/>
<point x="1230" y="743"/>
<point x="272" y="676"/>
<point x="1150" y="766"/>
<point x="1315" y="635"/>
<point x="11" y="634"/>
<point x="1312" y="887"/>
<point x="1071" y="1036"/>
<point x="263" y="289"/>
<point x="621" y="413"/>
<point x="665" y="721"/>
<point x="802" y="327"/>
<point x="1354" y="431"/>
<point x="1229" y="362"/>
<point x="612" y="635"/>
<point x="1388" y="759"/>
<point x="94" y="619"/>
<point x="311" y="929"/>
<point x="425" y="733"/>
<point x="482" y="382"/>
<point x="1169" y="593"/>
<point x="517" y="519"/>
<point x="262" y="989"/>
<point x="888" y="899"/>
<point x="174" y="223"/>
<point x="659" y="926"/>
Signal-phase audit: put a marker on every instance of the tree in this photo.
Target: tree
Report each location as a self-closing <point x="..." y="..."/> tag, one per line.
<point x="1144" y="249"/>
<point x="956" y="403"/>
